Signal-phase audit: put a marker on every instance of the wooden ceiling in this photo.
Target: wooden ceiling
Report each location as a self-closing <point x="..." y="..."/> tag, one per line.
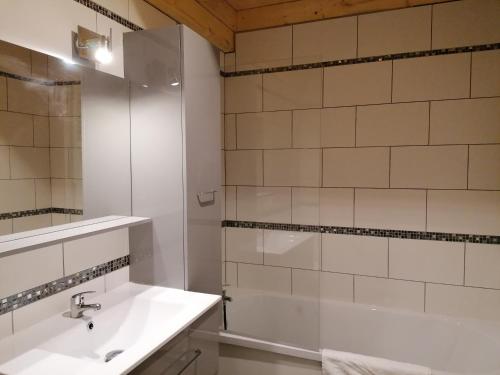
<point x="218" y="20"/>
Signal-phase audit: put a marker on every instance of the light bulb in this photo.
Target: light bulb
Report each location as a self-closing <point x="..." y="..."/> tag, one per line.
<point x="103" y="55"/>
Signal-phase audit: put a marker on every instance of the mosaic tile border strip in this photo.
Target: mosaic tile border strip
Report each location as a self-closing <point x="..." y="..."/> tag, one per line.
<point x="390" y="233"/>
<point x="361" y="60"/>
<point x="27" y="297"/>
<point x="107" y="13"/>
<point x="40" y="211"/>
<point x="44" y="82"/>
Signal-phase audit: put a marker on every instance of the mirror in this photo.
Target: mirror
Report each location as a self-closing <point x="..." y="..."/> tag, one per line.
<point x="40" y="140"/>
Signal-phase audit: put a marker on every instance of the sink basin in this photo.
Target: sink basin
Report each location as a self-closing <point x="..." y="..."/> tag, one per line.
<point x="134" y="319"/>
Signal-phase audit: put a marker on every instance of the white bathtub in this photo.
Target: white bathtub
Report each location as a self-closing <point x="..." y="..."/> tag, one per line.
<point x="291" y="325"/>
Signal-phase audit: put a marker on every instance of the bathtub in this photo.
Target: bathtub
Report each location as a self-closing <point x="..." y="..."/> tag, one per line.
<point x="291" y="325"/>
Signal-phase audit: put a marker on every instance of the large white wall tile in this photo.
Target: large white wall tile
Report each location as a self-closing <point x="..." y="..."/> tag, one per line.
<point x="245" y="245"/>
<point x="361" y="255"/>
<point x="244" y="167"/>
<point x="28" y="269"/>
<point x="117" y="278"/>
<point x="265" y="278"/>
<point x="243" y="94"/>
<point x="90" y="251"/>
<point x="264" y="130"/>
<point x="338" y="127"/>
<point x="459" y="211"/>
<point x="337" y="207"/>
<point x="484" y="167"/>
<point x="17" y="195"/>
<point x="407" y="295"/>
<point x="306" y="128"/>
<point x="16" y="129"/>
<point x="268" y="204"/>
<point x="337" y="287"/>
<point x="434" y="261"/>
<point x="292" y="249"/>
<point x="5" y="325"/>
<point x="402" y="30"/>
<point x="305" y="283"/>
<point x="294" y="167"/>
<point x="462" y="301"/>
<point x="485" y="75"/>
<point x="305" y="206"/>
<point x="21" y="224"/>
<point x="390" y="209"/>
<point x="264" y="48"/>
<point x="481" y="265"/>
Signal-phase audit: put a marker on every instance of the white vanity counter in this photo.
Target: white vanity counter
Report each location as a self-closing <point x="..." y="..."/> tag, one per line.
<point x="137" y="319"/>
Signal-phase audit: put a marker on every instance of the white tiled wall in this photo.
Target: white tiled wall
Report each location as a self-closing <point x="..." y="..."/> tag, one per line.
<point x="409" y="144"/>
<point x="34" y="267"/>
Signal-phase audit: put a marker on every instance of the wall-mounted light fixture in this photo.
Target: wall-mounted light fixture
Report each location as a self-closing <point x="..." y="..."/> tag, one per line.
<point x="92" y="47"/>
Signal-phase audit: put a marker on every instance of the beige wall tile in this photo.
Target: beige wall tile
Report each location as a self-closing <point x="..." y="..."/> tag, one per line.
<point x="390" y="209"/>
<point x="264" y="48"/>
<point x="64" y="100"/>
<point x="29" y="262"/>
<point x="368" y="83"/>
<point x="305" y="206"/>
<point x="361" y="255"/>
<point x="222" y="135"/>
<point x="407" y="295"/>
<point x="485" y="77"/>
<point x="299" y="89"/>
<point x="43" y="196"/>
<point x="326" y="40"/>
<point x="230" y="62"/>
<point x="431" y="78"/>
<point x="65" y="132"/>
<point x="243" y="94"/>
<point x="484" y="167"/>
<point x="336" y="287"/>
<point x="29" y="162"/>
<point x="435" y="167"/>
<point x="307" y="128"/>
<point x="5" y="226"/>
<point x="230" y="202"/>
<point x="305" y="283"/>
<point x="5" y="325"/>
<point x="58" y="70"/>
<point x="292" y="249"/>
<point x="17" y="195"/>
<point x="353" y="167"/>
<point x="265" y="278"/>
<point x="465" y="23"/>
<point x="231" y="274"/>
<point x="229" y="132"/>
<point x="434" y="261"/>
<point x="337" y="207"/>
<point x="39" y="62"/>
<point x="223" y="106"/>
<point x="117" y="278"/>
<point x="27" y="97"/>
<point x="66" y="193"/>
<point x="455" y="211"/>
<point x="338" y="127"/>
<point x="58" y="219"/>
<point x="462" y="301"/>
<point x="15" y="59"/>
<point x="59" y="162"/>
<point x="41" y="131"/>
<point x="3" y="93"/>
<point x="392" y="124"/>
<point x="223" y="167"/>
<point x="264" y="130"/>
<point x="481" y="265"/>
<point x="4" y="162"/>
<point x="21" y="224"/>
<point x="244" y="245"/>
<point x="90" y="251"/>
<point x="147" y="16"/>
<point x="223" y="246"/>
<point x="298" y="167"/>
<point x="268" y="204"/>
<point x="16" y="129"/>
<point x="75" y="163"/>
<point x="465" y="121"/>
<point x="244" y="167"/>
<point x="396" y="31"/>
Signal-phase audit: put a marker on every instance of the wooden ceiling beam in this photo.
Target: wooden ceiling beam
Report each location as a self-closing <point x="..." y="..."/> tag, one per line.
<point x="221" y="10"/>
<point x="195" y="16"/>
<point x="311" y="10"/>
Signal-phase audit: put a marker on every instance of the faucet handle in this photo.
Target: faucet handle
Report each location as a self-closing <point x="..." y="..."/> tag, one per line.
<point x="80" y="297"/>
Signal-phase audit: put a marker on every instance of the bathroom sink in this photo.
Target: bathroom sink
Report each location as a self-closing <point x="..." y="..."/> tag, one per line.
<point x="135" y="321"/>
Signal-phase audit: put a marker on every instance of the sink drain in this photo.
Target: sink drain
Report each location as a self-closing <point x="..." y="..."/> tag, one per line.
<point x="112" y="354"/>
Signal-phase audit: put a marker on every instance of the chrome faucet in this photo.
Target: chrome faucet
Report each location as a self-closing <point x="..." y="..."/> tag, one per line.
<point x="78" y="306"/>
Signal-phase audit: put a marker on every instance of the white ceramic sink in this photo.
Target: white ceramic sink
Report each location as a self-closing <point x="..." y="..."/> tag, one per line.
<point x="135" y="319"/>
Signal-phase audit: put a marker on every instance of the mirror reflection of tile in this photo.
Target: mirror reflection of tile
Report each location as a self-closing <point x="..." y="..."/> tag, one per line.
<point x="40" y="140"/>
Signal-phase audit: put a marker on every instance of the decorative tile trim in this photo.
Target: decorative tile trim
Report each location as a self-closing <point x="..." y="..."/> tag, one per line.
<point x="361" y="60"/>
<point x="107" y="13"/>
<point x="390" y="233"/>
<point x="44" y="82"/>
<point x="27" y="297"/>
<point x="40" y="211"/>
